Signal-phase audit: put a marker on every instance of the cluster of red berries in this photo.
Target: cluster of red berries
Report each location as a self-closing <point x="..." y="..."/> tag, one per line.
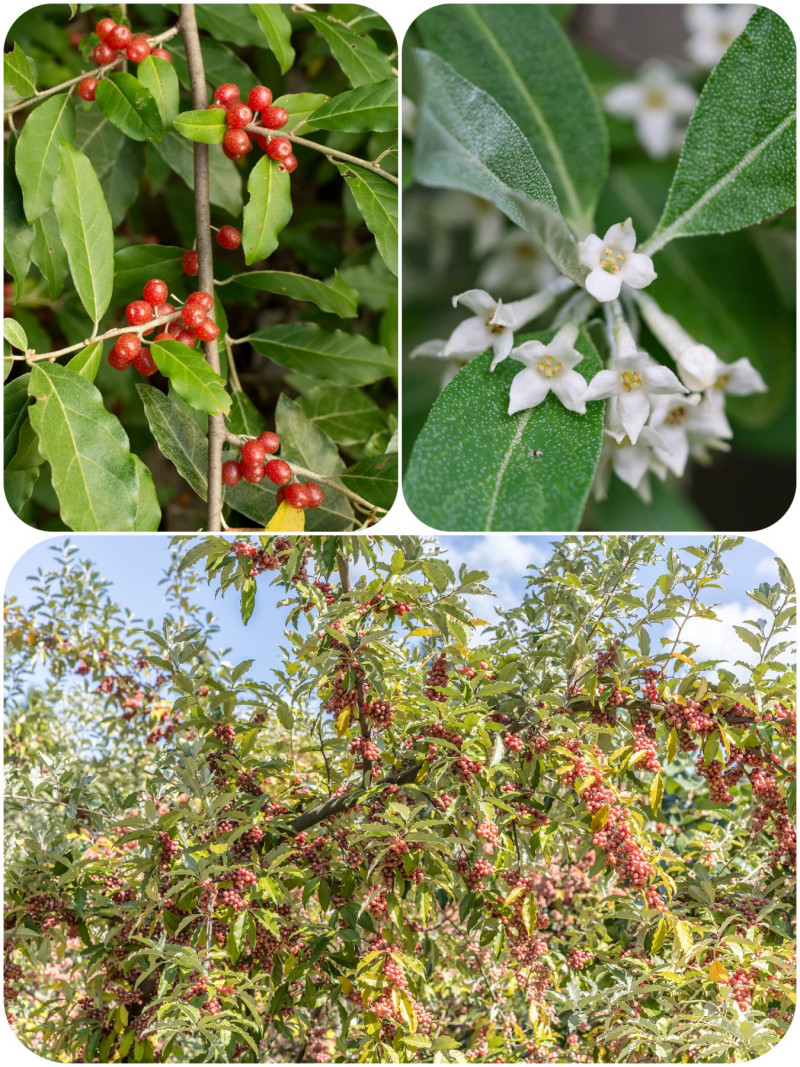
<point x="467" y="769"/>
<point x="437" y="677"/>
<point x="242" y="877"/>
<point x="489" y="832"/>
<point x="236" y="143"/>
<point x="577" y="959"/>
<point x="480" y="869"/>
<point x="360" y="746"/>
<point x="393" y="972"/>
<point x="380" y="712"/>
<point x="255" y="464"/>
<point x="607" y="659"/>
<point x="233" y="899"/>
<point x="115" y="40"/>
<point x="651" y="675"/>
<point x="189" y="326"/>
<point x="169" y="848"/>
<point x="644" y="733"/>
<point x="513" y="742"/>
<point x="741" y="986"/>
<point x="225" y="733"/>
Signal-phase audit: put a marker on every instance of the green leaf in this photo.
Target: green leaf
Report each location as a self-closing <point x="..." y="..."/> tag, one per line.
<point x="336" y="297"/>
<point x="244" y="417"/>
<point x="136" y="264"/>
<point x="520" y="57"/>
<point x="206" y="126"/>
<point x="375" y="479"/>
<point x="368" y="108"/>
<point x="93" y="471"/>
<point x="36" y="159"/>
<point x="86" y="230"/>
<point x="22" y="470"/>
<point x="191" y="377"/>
<point x="19" y="72"/>
<point x="158" y="75"/>
<point x="15" y="414"/>
<point x="17" y="234"/>
<point x="301" y="106"/>
<point x="229" y="22"/>
<point x="472" y="468"/>
<point x="130" y="106"/>
<point x="14" y="334"/>
<point x="277" y="30"/>
<point x="308" y="446"/>
<point x="359" y="57"/>
<point x="750" y="639"/>
<point x="466" y="141"/>
<point x="118" y="162"/>
<point x="737" y="165"/>
<point x="178" y="437"/>
<point x="148" y="509"/>
<point x="87" y="361"/>
<point x="347" y="416"/>
<point x="267" y="211"/>
<point x="656" y="794"/>
<point x="48" y="252"/>
<point x="336" y="356"/>
<point x="376" y="200"/>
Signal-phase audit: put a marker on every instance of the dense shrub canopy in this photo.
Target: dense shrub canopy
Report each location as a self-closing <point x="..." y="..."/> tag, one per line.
<point x="559" y="837"/>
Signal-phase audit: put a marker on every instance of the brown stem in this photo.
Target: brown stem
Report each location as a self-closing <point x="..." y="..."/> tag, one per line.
<point x="96" y="72"/>
<point x="31" y="356"/>
<point x="331" y="153"/>
<point x="205" y="256"/>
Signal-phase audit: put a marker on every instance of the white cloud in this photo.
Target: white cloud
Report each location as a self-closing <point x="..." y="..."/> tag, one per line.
<point x="766" y="569"/>
<point x="716" y="638"/>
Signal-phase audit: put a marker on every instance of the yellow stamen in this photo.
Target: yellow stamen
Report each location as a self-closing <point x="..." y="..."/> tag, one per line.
<point x="611" y="261"/>
<point x="676" y="417"/>
<point x="631" y="380"/>
<point x="549" y="366"/>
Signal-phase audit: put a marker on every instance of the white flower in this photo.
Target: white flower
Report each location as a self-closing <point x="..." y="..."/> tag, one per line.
<point x="516" y="265"/>
<point x="674" y="418"/>
<point x="697" y="363"/>
<point x="630" y="461"/>
<point x="549" y="367"/>
<point x="734" y="379"/>
<point x="493" y="324"/>
<point x="658" y="104"/>
<point x="713" y="28"/>
<point x="613" y="261"/>
<point x="629" y="383"/>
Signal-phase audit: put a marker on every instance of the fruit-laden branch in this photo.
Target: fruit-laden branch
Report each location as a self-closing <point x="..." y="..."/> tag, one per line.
<point x="205" y="256"/>
<point x="95" y="72"/>
<point x="331" y="153"/>
<point x="363" y="722"/>
<point x="32" y="356"/>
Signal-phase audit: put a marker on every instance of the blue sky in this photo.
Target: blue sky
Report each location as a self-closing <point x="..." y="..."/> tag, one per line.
<point x="136" y="564"/>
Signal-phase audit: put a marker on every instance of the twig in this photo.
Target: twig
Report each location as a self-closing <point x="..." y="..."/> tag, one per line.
<point x="205" y="257"/>
<point x="232" y="366"/>
<point x="31" y="356"/>
<point x="331" y="153"/>
<point x="363" y="722"/>
<point x="95" y="73"/>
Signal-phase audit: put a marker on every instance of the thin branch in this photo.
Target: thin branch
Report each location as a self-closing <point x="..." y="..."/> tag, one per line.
<point x="205" y="255"/>
<point x="232" y="368"/>
<point x="363" y="721"/>
<point x="94" y="73"/>
<point x="31" y="356"/>
<point x="331" y="153"/>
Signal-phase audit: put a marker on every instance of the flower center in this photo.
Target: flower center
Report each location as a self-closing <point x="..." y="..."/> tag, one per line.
<point x="722" y="382"/>
<point x="549" y="366"/>
<point x="631" y="379"/>
<point x="611" y="261"/>
<point x="655" y="98"/>
<point x="676" y="417"/>
<point x="494" y="327"/>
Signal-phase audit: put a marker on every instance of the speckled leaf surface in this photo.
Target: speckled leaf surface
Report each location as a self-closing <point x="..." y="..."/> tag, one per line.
<point x="473" y="468"/>
<point x="518" y="54"/>
<point x="467" y="141"/>
<point x="737" y="165"/>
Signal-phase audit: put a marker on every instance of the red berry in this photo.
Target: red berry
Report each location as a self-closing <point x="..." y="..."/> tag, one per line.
<point x="236" y="143"/>
<point x="104" y="27"/>
<point x="239" y="115"/>
<point x="103" y="54"/>
<point x="262" y="142"/>
<point x="274" y="117"/>
<point x="138" y="312"/>
<point x="164" y="337"/>
<point x="144" y="363"/>
<point x="192" y="315"/>
<point x="128" y="346"/>
<point x="161" y="53"/>
<point x="295" y="495"/>
<point x="253" y="453"/>
<point x="289" y="163"/>
<point x="278" y="471"/>
<point x="259" y="97"/>
<point x="138" y="48"/>
<point x="279" y="148"/>
<point x="155" y="292"/>
<point x="86" y="88"/>
<point x="174" y="329"/>
<point x="201" y="297"/>
<point x="116" y="361"/>
<point x="119" y="37"/>
<point x="164" y="309"/>
<point x="207" y="330"/>
<point x="231" y="473"/>
<point x="269" y="441"/>
<point x="190" y="263"/>
<point x="314" y="494"/>
<point x="280" y="495"/>
<point x="186" y="337"/>
<point x="229" y="237"/>
<point x="253" y="474"/>
<point x="227" y="93"/>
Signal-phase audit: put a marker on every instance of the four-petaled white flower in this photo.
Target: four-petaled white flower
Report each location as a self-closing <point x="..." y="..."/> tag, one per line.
<point x="713" y="28"/>
<point x="612" y="261"/>
<point x="658" y="103"/>
<point x="549" y="367"/>
<point x="493" y="324"/>
<point x="629" y="384"/>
